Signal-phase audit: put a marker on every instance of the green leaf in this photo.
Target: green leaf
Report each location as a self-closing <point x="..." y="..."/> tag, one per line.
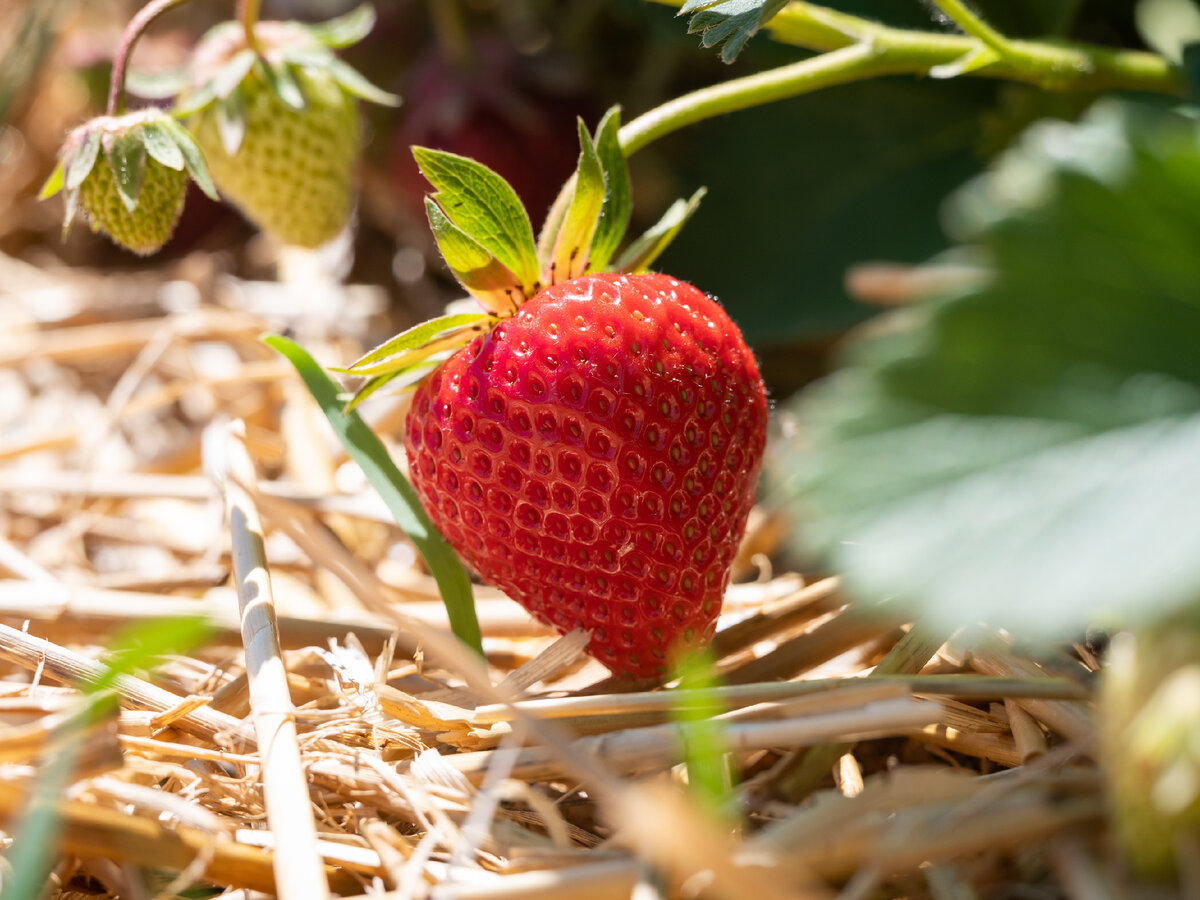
<point x="78" y="163"/>
<point x="193" y="158"/>
<point x="485" y="207"/>
<point x="488" y="280"/>
<point x="231" y="75"/>
<point x="414" y="339"/>
<point x="572" y="244"/>
<point x="641" y="253"/>
<point x="161" y="146"/>
<point x="355" y="83"/>
<point x="732" y="22"/>
<point x="127" y="158"/>
<point x="54" y="183"/>
<point x="614" y="217"/>
<point x="279" y="78"/>
<point x="366" y="449"/>
<point x="346" y="30"/>
<point x="1024" y="450"/>
<point x="230" y="114"/>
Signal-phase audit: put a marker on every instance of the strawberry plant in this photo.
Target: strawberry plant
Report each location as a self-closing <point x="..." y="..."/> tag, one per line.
<point x="1017" y="449"/>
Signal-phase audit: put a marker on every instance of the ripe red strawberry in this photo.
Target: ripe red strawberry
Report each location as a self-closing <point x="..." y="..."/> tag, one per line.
<point x="593" y="450"/>
<point x="595" y="457"/>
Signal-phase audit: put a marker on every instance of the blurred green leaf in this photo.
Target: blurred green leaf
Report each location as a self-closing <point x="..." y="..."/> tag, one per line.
<point x="345" y="30"/>
<point x="1025" y="451"/>
<point x="372" y="457"/>
<point x="729" y="22"/>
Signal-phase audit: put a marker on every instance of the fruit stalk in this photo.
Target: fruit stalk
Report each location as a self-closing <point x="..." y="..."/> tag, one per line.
<point x="133" y="32"/>
<point x="854" y="49"/>
<point x="247" y="14"/>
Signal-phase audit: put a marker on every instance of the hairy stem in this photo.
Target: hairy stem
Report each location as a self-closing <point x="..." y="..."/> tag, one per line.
<point x="853" y="49"/>
<point x="133" y="32"/>
<point x="247" y="13"/>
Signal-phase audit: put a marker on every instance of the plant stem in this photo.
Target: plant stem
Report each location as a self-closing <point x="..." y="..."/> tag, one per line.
<point x="966" y="19"/>
<point x="853" y="49"/>
<point x="247" y="13"/>
<point x="133" y="32"/>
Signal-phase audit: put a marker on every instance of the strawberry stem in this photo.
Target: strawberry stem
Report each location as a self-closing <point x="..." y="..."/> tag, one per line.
<point x="247" y="13"/>
<point x="854" y="49"/>
<point x="133" y="33"/>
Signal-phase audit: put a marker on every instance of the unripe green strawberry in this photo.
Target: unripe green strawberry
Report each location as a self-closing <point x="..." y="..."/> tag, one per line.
<point x="129" y="174"/>
<point x="280" y="130"/>
<point x="591" y="444"/>
<point x="146" y="227"/>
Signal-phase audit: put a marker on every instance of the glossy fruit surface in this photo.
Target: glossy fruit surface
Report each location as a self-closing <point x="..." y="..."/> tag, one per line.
<point x="595" y="456"/>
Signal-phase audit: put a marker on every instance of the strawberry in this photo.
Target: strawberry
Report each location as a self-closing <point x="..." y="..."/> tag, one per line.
<point x="129" y="173"/>
<point x="593" y="450"/>
<point x="279" y="125"/>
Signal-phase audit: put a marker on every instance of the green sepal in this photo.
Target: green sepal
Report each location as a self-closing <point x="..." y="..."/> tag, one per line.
<point x="487" y="279"/>
<point x="54" y="183"/>
<point x="231" y="75"/>
<point x="70" y="208"/>
<point x="641" y="253"/>
<point x="345" y="30"/>
<point x="230" y="113"/>
<point x="127" y="158"/>
<point x="193" y="158"/>
<point x="193" y="102"/>
<point x="411" y="377"/>
<point x="161" y="146"/>
<point x="279" y="78"/>
<point x="392" y="350"/>
<point x="573" y="240"/>
<point x="162" y="85"/>
<point x="355" y="83"/>
<point x="485" y="208"/>
<point x="78" y="163"/>
<point x="614" y="217"/>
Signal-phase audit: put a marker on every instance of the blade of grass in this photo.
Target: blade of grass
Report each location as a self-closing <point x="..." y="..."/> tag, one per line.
<point x="34" y="849"/>
<point x="368" y="451"/>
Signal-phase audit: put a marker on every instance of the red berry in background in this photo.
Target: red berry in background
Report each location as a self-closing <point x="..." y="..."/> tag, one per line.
<point x="497" y="108"/>
<point x="595" y="456"/>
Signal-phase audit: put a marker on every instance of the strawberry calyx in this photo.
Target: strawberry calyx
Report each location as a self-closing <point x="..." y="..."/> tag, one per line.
<point x="225" y="67"/>
<point x="126" y="143"/>
<point x="486" y="239"/>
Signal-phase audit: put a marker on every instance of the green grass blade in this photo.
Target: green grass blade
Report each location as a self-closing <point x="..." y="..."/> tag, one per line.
<point x="368" y="451"/>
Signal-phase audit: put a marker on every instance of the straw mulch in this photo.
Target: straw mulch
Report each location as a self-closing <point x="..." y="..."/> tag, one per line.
<point x="152" y="445"/>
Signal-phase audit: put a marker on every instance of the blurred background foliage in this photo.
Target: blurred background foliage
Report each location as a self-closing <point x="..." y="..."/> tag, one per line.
<point x="799" y="191"/>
